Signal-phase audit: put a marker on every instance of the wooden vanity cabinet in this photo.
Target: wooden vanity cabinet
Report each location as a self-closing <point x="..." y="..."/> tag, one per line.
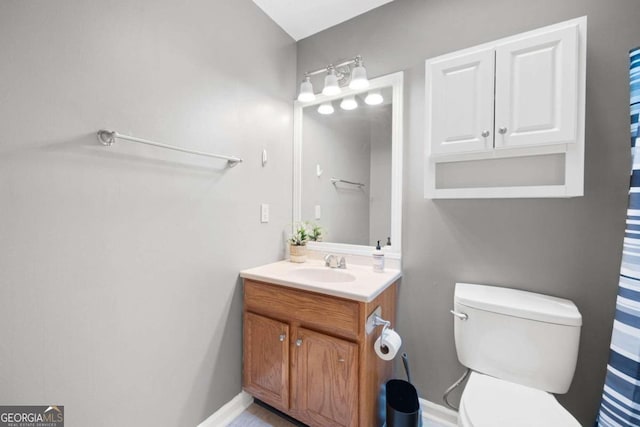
<point x="266" y="359"/>
<point x="308" y="354"/>
<point x="325" y="379"/>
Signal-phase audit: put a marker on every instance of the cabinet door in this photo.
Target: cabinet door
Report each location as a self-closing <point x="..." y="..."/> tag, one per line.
<point x="459" y="103"/>
<point x="326" y="379"/>
<point x="266" y="359"/>
<point x="537" y="89"/>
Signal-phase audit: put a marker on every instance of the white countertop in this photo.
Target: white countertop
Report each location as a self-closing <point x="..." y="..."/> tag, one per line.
<point x="366" y="286"/>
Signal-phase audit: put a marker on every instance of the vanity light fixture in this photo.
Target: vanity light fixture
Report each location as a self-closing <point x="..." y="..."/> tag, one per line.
<point x="350" y="72"/>
<point x="349" y="103"/>
<point x="331" y="86"/>
<point x="306" y="90"/>
<point x="359" y="76"/>
<point x="325" y="108"/>
<point x="374" y="97"/>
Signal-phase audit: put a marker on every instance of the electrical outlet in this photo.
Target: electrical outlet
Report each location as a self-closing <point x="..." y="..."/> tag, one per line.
<point x="264" y="212"/>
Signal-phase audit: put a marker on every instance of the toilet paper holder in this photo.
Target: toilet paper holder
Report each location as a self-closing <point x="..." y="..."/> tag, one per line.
<point x="375" y="319"/>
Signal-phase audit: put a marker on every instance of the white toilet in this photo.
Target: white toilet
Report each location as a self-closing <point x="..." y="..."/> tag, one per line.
<point x="520" y="347"/>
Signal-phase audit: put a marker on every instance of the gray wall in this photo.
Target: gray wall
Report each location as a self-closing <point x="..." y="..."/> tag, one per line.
<point x="119" y="290"/>
<point x="569" y="248"/>
<point x="341" y="144"/>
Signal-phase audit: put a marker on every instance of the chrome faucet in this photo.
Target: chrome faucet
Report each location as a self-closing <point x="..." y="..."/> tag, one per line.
<point x="332" y="261"/>
<point x="343" y="263"/>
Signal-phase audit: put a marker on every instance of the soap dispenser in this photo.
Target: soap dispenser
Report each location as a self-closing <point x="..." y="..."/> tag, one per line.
<point x="378" y="258"/>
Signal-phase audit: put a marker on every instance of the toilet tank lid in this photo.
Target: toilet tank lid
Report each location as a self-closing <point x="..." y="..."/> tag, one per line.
<point x="516" y="303"/>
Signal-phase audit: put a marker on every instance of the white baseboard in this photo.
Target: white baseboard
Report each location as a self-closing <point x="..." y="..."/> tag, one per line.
<point x="229" y="411"/>
<point x="439" y="414"/>
<point x="431" y="412"/>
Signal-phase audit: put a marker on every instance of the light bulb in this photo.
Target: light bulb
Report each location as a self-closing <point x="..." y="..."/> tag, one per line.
<point x="349" y="103"/>
<point x="359" y="76"/>
<point x="374" y="98"/>
<point x="331" y="86"/>
<point x="325" y="108"/>
<point x="306" y="91"/>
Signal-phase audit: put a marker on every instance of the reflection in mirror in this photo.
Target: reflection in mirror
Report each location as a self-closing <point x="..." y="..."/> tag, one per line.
<point x="348" y="167"/>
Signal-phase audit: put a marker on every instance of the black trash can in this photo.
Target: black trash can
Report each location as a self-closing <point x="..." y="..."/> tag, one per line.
<point x="403" y="407"/>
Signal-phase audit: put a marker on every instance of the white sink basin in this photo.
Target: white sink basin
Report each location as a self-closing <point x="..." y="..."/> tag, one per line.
<point x="357" y="282"/>
<point x="322" y="275"/>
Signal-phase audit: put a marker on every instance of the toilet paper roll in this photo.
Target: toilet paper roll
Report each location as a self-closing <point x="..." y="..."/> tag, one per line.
<point x="388" y="345"/>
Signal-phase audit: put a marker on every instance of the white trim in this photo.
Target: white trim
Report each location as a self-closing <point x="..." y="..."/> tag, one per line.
<point x="396" y="82"/>
<point x="344" y="248"/>
<point x="229" y="411"/>
<point x="501" y="153"/>
<point x="439" y="414"/>
<point x="354" y="254"/>
<point x="521" y="192"/>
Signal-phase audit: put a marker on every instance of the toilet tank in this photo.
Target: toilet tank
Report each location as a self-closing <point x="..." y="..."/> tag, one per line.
<point x="522" y="337"/>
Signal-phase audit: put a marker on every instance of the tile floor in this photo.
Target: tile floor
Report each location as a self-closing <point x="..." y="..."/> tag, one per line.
<point x="257" y="416"/>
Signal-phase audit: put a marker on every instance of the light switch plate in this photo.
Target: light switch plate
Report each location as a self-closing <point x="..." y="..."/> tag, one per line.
<point x="264" y="212"/>
<point x="318" y="212"/>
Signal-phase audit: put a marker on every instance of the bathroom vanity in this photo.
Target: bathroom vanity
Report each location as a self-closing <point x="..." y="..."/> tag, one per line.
<point x="307" y="351"/>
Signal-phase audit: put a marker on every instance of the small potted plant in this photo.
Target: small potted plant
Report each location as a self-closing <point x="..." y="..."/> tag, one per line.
<point x="298" y="243"/>
<point x="316" y="233"/>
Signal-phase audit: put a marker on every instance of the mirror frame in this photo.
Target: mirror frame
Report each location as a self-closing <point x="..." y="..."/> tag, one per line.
<point x="396" y="82"/>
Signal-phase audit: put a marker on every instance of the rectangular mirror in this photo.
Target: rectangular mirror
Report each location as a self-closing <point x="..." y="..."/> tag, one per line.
<point x="348" y="167"/>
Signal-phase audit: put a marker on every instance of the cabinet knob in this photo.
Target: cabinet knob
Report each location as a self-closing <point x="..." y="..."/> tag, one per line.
<point x="299" y="342"/>
<point x="282" y="337"/>
<point x="485" y="133"/>
<point x="502" y="131"/>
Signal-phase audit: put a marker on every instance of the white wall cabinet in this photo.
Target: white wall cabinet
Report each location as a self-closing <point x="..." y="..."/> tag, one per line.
<point x="516" y="97"/>
<point x="537" y="89"/>
<point x="462" y="102"/>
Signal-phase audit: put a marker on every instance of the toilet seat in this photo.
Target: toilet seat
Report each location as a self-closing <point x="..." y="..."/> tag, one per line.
<point x="491" y="402"/>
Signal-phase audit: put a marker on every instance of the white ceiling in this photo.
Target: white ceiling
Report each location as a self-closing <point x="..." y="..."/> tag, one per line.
<point x="302" y="18"/>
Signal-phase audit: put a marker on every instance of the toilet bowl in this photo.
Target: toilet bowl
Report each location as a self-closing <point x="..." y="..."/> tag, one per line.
<point x="491" y="402"/>
<point x="520" y="347"/>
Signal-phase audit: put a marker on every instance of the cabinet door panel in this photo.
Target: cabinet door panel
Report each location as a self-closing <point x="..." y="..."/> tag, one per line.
<point x="266" y="359"/>
<point x="459" y="99"/>
<point x="326" y="372"/>
<point x="537" y="89"/>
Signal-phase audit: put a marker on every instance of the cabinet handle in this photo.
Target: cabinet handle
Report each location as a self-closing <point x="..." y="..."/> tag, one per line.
<point x="341" y="360"/>
<point x="299" y="342"/>
<point x="485" y="133"/>
<point x="502" y="131"/>
<point x="282" y="337"/>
